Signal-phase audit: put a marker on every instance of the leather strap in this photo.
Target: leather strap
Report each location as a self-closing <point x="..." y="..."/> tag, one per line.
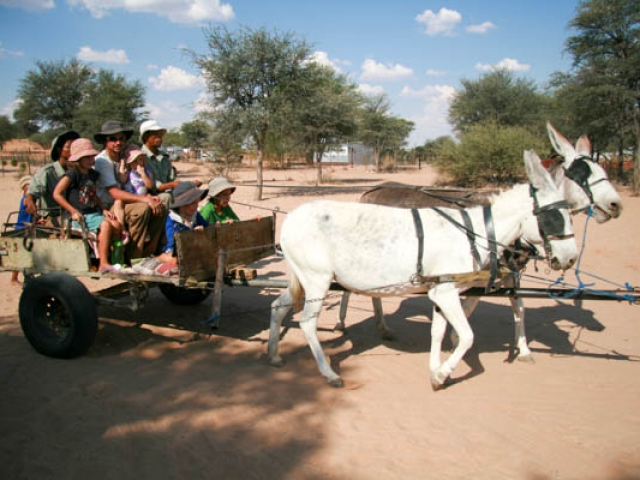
<point x="493" y="250"/>
<point x="420" y="234"/>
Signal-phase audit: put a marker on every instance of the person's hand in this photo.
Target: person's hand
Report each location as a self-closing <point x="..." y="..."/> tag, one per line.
<point x="30" y="205"/>
<point x="123" y="166"/>
<point x="77" y="216"/>
<point x="197" y="181"/>
<point x="140" y="169"/>
<point x="155" y="204"/>
<point x="199" y="227"/>
<point x="108" y="215"/>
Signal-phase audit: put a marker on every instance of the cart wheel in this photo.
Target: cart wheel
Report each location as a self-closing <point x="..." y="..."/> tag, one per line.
<point x="58" y="315"/>
<point x="183" y="296"/>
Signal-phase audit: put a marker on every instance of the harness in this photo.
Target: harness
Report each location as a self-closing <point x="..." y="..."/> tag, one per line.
<point x="579" y="172"/>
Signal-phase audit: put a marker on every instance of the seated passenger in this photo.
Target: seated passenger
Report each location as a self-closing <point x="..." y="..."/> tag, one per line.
<point x="183" y="215"/>
<point x="217" y="209"/>
<point x="76" y="192"/>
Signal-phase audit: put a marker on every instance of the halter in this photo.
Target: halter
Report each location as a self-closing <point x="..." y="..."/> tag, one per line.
<point x="579" y="172"/>
<point x="551" y="224"/>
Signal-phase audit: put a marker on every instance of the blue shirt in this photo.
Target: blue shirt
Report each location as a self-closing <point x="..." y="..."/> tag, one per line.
<point x="175" y="224"/>
<point x="23" y="215"/>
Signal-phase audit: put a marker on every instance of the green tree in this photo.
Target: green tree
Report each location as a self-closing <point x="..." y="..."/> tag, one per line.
<point x="7" y="130"/>
<point x="488" y="154"/>
<point x="606" y="61"/>
<point x="246" y="71"/>
<point x="52" y="94"/>
<point x="196" y="134"/>
<point x="498" y="97"/>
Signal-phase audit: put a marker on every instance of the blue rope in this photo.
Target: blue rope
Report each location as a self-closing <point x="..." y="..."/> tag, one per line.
<point x="584" y="286"/>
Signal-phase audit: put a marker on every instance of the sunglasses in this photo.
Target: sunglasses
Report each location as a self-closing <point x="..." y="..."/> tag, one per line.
<point x="117" y="139"/>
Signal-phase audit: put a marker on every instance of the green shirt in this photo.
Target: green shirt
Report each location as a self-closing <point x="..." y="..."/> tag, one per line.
<point x="209" y="213"/>
<point x="161" y="167"/>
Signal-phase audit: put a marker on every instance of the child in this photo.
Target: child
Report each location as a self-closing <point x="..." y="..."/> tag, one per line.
<point x="24" y="217"/>
<point x="76" y="193"/>
<point x="183" y="215"/>
<point x="217" y="210"/>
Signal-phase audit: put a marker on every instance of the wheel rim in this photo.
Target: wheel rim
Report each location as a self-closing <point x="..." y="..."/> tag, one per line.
<point x="54" y="319"/>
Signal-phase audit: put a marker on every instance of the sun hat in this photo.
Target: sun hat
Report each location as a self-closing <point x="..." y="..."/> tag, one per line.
<point x="109" y="128"/>
<point x="24" y="181"/>
<point x="186" y="193"/>
<point x="133" y="154"/>
<point x="82" y="147"/>
<point x="150" y="126"/>
<point x="59" y="141"/>
<point x="219" y="185"/>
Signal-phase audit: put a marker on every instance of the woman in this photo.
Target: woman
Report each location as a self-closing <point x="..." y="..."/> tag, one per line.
<point x="217" y="210"/>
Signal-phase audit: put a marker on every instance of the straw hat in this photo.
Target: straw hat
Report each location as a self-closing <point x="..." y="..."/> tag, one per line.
<point x="219" y="185"/>
<point x="82" y="147"/>
<point x="186" y="193"/>
<point x="26" y="180"/>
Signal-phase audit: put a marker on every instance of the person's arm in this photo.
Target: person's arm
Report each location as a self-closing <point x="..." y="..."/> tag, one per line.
<point x="59" y="197"/>
<point x="154" y="202"/>
<point x="123" y="173"/>
<point x="146" y="176"/>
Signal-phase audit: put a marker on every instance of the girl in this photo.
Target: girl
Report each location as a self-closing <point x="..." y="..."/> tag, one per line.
<point x="217" y="210"/>
<point x="76" y="193"/>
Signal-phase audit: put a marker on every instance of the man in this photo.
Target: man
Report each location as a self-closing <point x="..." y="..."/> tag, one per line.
<point x="144" y="215"/>
<point x="45" y="180"/>
<point x="159" y="163"/>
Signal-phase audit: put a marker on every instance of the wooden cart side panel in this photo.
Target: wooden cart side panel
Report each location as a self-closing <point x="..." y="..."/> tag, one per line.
<point x="245" y="242"/>
<point x="46" y="254"/>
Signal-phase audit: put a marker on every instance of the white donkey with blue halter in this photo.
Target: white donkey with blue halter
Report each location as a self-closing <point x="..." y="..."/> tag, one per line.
<point x="383" y="251"/>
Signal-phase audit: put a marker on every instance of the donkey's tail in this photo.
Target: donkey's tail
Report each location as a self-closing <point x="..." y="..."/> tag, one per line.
<point x="296" y="291"/>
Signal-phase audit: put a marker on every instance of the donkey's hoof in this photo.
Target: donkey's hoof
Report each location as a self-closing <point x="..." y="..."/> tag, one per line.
<point x="527" y="359"/>
<point x="336" y="382"/>
<point x="276" y="362"/>
<point x="339" y="327"/>
<point x="438" y="380"/>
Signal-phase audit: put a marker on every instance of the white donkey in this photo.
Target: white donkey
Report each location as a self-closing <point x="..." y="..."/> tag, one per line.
<point x="383" y="251"/>
<point x="583" y="183"/>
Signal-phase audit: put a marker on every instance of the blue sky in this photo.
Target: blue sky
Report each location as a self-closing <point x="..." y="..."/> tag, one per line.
<point x="416" y="52"/>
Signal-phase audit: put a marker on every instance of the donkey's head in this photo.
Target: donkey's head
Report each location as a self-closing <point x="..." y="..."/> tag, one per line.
<point x="583" y="181"/>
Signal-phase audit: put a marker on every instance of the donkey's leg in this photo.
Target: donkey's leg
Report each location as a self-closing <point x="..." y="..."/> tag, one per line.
<point x="469" y="304"/>
<point x="438" y="329"/>
<point x="279" y="309"/>
<point x="524" y="354"/>
<point x="342" y="314"/>
<point x="447" y="298"/>
<point x="381" y="323"/>
<point x="309" y="326"/>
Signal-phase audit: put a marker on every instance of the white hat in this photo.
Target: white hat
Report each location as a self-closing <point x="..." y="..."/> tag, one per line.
<point x="150" y="126"/>
<point x="219" y="185"/>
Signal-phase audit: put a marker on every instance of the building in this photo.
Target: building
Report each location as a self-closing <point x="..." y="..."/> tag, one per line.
<point x="350" y="154"/>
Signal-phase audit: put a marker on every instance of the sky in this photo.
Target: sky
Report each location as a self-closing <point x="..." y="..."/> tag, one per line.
<point x="415" y="52"/>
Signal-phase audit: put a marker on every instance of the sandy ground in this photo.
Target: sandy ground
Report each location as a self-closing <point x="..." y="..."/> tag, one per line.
<point x="150" y="401"/>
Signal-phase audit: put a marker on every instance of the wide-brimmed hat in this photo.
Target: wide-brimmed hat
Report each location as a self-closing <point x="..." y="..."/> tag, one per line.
<point x="150" y="126"/>
<point x="186" y="193"/>
<point x="59" y="141"/>
<point x="26" y="180"/>
<point x="219" y="185"/>
<point x="82" y="147"/>
<point x="109" y="128"/>
<point x="133" y="154"/>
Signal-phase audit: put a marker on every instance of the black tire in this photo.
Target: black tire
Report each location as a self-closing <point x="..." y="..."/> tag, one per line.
<point x="58" y="315"/>
<point x="183" y="296"/>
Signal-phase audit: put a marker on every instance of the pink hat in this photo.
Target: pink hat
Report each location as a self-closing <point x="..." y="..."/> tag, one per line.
<point x="82" y="147"/>
<point x="133" y="154"/>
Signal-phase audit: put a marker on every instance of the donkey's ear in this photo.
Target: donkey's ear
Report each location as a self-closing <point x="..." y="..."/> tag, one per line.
<point x="583" y="146"/>
<point x="561" y="144"/>
<point x="538" y="176"/>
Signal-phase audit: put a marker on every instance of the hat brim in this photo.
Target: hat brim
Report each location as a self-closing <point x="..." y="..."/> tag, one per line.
<point x="188" y="197"/>
<point x="102" y="136"/>
<point x="141" y="154"/>
<point x="60" y="141"/>
<point x="221" y="188"/>
<point x="92" y="152"/>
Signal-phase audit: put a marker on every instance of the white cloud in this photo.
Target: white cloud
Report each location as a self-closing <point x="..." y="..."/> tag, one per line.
<point x="435" y="73"/>
<point x="370" y="90"/>
<point x="10" y="53"/>
<point x="372" y="70"/>
<point x="9" y="108"/>
<point x="505" y="64"/>
<point x="177" y="11"/>
<point x="173" y="78"/>
<point x="432" y="122"/>
<point x="322" y="58"/>
<point x="29" y="5"/>
<point x="442" y="23"/>
<point x="481" y="28"/>
<point x="88" y="54"/>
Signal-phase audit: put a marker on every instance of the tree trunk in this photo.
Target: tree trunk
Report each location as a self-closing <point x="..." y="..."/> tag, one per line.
<point x="258" y="194"/>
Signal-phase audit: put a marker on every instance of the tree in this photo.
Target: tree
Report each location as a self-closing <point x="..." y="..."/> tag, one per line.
<point x="196" y="134"/>
<point x="53" y="93"/>
<point x="606" y="62"/>
<point x="7" y="130"/>
<point x="498" y="97"/>
<point x="246" y="71"/>
<point x="378" y="129"/>
<point x="60" y="96"/>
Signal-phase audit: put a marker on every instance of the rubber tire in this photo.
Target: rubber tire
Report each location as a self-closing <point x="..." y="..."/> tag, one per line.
<point x="58" y="315"/>
<point x="183" y="296"/>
